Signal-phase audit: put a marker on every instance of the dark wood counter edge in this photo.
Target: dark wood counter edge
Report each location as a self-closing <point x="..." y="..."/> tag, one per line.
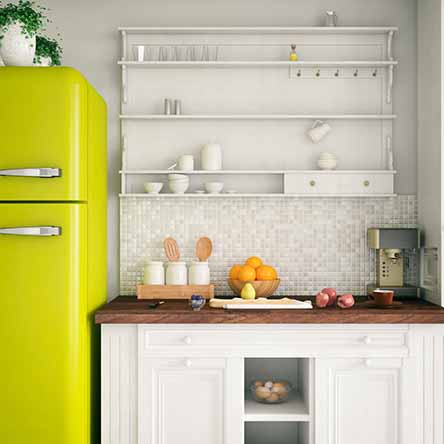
<point x="129" y="310"/>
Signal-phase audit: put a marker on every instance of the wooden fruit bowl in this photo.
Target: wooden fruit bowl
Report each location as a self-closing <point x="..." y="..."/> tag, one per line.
<point x="264" y="289"/>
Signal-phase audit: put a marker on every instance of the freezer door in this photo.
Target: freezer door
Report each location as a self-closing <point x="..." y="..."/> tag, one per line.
<point x="43" y="115"/>
<point x="43" y="324"/>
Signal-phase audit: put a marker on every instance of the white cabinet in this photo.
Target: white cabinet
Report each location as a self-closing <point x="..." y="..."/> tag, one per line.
<point x="184" y="400"/>
<point x="365" y="384"/>
<point x="358" y="401"/>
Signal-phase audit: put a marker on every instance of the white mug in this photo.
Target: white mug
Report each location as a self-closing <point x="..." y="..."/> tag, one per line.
<point x="185" y="163"/>
<point x="318" y="131"/>
<point x="211" y="157"/>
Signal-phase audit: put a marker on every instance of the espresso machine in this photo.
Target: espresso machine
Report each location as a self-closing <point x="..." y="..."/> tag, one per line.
<point x="396" y="250"/>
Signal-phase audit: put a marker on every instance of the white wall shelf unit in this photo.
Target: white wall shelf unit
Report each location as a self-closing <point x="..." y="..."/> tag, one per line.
<point x="258" y="117"/>
<point x="256" y="172"/>
<point x="347" y="30"/>
<point x="344" y="75"/>
<point x="261" y="64"/>
<point x="237" y="195"/>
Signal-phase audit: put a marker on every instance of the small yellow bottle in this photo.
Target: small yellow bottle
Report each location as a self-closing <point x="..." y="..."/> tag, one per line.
<point x="293" y="56"/>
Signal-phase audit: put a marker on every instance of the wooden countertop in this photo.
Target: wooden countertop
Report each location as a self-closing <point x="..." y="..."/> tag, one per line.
<point x="129" y="310"/>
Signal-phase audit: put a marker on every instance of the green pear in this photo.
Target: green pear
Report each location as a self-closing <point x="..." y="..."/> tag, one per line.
<point x="248" y="291"/>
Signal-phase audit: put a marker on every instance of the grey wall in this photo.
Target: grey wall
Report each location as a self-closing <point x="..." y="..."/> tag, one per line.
<point x="429" y="119"/>
<point x="91" y="45"/>
<point x="430" y="189"/>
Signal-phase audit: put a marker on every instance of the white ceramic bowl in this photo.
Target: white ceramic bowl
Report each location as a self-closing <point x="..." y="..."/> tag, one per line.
<point x="327" y="156"/>
<point x="178" y="186"/>
<point x="153" y="187"/>
<point x="214" y="187"/>
<point x="327" y="164"/>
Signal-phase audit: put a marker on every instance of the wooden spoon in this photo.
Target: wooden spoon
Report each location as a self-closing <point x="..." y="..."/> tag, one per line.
<point x="204" y="247"/>
<point x="171" y="249"/>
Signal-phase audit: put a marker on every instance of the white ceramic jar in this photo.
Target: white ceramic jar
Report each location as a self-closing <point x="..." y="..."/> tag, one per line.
<point x="176" y="273"/>
<point x="199" y="273"/>
<point x="154" y="273"/>
<point x="211" y="157"/>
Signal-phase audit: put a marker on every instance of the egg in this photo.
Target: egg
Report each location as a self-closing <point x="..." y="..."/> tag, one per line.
<point x="274" y="397"/>
<point x="258" y="384"/>
<point x="269" y="384"/>
<point x="262" y="393"/>
<point x="279" y="389"/>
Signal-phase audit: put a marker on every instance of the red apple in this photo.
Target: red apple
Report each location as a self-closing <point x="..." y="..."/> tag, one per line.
<point x="346" y="301"/>
<point x="322" y="300"/>
<point x="332" y="295"/>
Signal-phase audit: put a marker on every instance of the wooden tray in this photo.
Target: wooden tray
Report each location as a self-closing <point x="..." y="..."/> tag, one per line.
<point x="174" y="291"/>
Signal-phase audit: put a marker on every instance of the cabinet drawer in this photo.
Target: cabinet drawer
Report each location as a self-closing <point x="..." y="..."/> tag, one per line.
<point x="184" y="340"/>
<point x="336" y="182"/>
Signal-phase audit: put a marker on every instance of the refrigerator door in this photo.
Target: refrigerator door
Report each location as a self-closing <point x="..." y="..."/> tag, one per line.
<point x="43" y="324"/>
<point x="43" y="112"/>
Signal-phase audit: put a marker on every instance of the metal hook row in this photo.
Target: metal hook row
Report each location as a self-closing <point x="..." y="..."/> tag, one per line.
<point x="337" y="73"/>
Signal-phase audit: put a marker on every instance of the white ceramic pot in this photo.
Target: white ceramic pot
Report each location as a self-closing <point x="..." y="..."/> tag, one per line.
<point x="154" y="273"/>
<point x="211" y="157"/>
<point x="44" y="61"/>
<point x="176" y="273"/>
<point x="199" y="273"/>
<point x="17" y="49"/>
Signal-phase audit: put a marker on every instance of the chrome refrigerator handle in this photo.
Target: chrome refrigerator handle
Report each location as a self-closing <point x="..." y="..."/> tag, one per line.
<point x="32" y="231"/>
<point x="33" y="172"/>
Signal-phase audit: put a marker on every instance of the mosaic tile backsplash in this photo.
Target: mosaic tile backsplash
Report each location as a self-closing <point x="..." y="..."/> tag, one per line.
<point x="312" y="242"/>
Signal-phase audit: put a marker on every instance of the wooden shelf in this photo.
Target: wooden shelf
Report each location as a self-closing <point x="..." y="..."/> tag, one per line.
<point x="294" y="409"/>
<point x="258" y="117"/>
<point x="261" y="64"/>
<point x="350" y="30"/>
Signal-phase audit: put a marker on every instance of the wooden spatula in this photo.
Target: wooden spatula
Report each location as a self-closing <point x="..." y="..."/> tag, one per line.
<point x="171" y="249"/>
<point x="204" y="247"/>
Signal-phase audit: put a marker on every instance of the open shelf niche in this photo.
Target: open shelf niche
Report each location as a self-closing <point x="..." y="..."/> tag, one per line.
<point x="279" y="423"/>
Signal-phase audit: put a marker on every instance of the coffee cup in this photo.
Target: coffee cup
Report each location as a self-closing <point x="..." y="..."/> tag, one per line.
<point x="382" y="297"/>
<point x="318" y="131"/>
<point x="185" y="163"/>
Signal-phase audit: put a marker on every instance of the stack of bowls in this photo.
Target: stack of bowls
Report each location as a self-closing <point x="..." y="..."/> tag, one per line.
<point x="178" y="183"/>
<point x="327" y="161"/>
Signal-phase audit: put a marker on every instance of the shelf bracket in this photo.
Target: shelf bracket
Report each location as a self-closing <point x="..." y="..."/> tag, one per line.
<point x="124" y="84"/>
<point x="390" y="84"/>
<point x="124" y="45"/>
<point x="389" y="153"/>
<point x="390" y="45"/>
<point x="124" y="164"/>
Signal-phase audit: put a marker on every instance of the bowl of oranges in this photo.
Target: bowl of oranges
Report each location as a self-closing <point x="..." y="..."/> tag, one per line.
<point x="264" y="278"/>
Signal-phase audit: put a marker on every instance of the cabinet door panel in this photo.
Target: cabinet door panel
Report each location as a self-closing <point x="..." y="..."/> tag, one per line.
<point x="183" y="400"/>
<point x="357" y="401"/>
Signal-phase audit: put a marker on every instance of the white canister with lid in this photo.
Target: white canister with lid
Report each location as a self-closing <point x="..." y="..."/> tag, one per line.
<point x="176" y="273"/>
<point x="199" y="273"/>
<point x="211" y="157"/>
<point x="154" y="273"/>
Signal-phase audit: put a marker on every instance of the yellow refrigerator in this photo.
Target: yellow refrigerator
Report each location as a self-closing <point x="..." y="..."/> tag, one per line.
<point x="53" y="171"/>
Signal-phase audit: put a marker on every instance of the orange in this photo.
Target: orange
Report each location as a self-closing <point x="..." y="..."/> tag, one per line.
<point x="247" y="273"/>
<point x="234" y="272"/>
<point x="266" y="273"/>
<point x="254" y="262"/>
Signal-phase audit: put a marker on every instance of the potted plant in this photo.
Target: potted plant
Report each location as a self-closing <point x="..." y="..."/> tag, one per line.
<point x="19" y="24"/>
<point x="48" y="52"/>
